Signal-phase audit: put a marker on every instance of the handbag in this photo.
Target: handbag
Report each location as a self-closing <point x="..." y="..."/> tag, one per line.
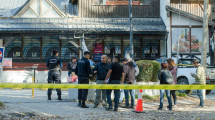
<point x="167" y="77"/>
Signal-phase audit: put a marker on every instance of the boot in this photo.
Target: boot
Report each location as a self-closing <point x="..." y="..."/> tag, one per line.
<point x="79" y="103"/>
<point x="49" y="97"/>
<point x="83" y="105"/>
<point x="59" y="97"/>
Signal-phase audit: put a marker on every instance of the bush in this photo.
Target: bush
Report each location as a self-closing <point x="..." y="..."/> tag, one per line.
<point x="146" y="71"/>
<point x="150" y="73"/>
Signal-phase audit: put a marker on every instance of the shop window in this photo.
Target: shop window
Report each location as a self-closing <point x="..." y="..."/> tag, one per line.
<point x="31" y="49"/>
<point x="14" y="50"/>
<point x="150" y="49"/>
<point x="95" y="55"/>
<point x="49" y="44"/>
<point x="112" y="46"/>
<point x="136" y="45"/>
<point x="68" y="50"/>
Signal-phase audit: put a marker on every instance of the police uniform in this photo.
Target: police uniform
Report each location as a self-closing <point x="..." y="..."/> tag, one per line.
<point x="54" y="63"/>
<point x="83" y="70"/>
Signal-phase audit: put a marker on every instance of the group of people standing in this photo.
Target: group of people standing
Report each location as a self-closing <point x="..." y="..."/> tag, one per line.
<point x="111" y="72"/>
<point x="170" y="66"/>
<point x="108" y="72"/>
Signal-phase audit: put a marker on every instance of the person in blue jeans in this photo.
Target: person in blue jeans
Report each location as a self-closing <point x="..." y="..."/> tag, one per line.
<point x="115" y="73"/>
<point x="129" y="78"/>
<point x="162" y="92"/>
<point x="127" y="56"/>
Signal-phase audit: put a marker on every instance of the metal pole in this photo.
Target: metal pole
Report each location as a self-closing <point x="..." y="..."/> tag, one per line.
<point x="204" y="40"/>
<point x="33" y="81"/>
<point x="131" y="30"/>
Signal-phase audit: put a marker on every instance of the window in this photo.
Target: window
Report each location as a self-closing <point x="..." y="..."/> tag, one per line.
<point x="49" y="44"/>
<point x="68" y="50"/>
<point x="14" y="50"/>
<point x="31" y="49"/>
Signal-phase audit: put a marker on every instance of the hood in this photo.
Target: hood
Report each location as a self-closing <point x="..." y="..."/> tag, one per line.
<point x="129" y="64"/>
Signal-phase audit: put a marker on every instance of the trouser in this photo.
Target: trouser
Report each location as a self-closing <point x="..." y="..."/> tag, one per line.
<point x="172" y="93"/>
<point x="69" y="73"/>
<point x="122" y="94"/>
<point x="132" y="93"/>
<point x="82" y="93"/>
<point x="54" y="77"/>
<point x="200" y="94"/>
<point x="168" y="97"/>
<point x="99" y="92"/>
<point x="116" y="94"/>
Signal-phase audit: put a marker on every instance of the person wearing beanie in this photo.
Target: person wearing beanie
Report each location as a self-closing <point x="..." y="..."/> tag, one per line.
<point x="127" y="56"/>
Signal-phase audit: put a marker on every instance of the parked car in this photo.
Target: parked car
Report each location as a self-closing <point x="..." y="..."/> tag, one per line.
<point x="185" y="67"/>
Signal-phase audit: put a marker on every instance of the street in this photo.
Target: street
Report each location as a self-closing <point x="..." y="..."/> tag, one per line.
<point x="20" y="104"/>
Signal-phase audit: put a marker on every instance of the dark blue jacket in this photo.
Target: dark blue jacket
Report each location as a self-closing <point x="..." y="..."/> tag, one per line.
<point x="102" y="70"/>
<point x="54" y="63"/>
<point x="83" y="68"/>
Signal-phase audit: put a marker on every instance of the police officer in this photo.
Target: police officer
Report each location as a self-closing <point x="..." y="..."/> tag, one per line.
<point x="83" y="70"/>
<point x="54" y="63"/>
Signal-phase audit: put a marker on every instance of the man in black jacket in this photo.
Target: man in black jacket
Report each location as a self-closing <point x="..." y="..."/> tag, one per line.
<point x="54" y="63"/>
<point x="101" y="69"/>
<point x="83" y="70"/>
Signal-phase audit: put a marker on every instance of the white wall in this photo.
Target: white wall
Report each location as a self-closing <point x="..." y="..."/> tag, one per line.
<point x="166" y="19"/>
<point x="19" y="76"/>
<point x="176" y="20"/>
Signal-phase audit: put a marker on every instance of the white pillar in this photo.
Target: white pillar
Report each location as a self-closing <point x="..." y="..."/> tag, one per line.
<point x="166" y="19"/>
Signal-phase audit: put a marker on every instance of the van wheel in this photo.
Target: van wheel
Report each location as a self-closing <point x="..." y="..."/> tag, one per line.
<point x="183" y="81"/>
<point x="208" y="92"/>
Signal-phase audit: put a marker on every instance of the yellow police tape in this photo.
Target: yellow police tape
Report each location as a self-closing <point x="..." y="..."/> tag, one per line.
<point x="107" y="86"/>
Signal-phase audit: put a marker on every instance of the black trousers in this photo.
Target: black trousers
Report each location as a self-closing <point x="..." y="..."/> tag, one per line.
<point x="54" y="77"/>
<point x="82" y="93"/>
<point x="172" y="93"/>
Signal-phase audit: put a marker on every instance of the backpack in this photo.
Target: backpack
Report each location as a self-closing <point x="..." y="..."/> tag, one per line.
<point x="167" y="77"/>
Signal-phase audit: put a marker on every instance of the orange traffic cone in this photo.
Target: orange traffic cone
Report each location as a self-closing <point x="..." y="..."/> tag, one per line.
<point x="139" y="106"/>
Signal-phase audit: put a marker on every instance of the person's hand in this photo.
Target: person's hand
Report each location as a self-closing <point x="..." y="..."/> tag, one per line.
<point x="191" y="74"/>
<point x="95" y="72"/>
<point x="105" y="82"/>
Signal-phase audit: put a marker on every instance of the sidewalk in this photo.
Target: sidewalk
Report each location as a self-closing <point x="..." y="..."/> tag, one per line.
<point x="20" y="101"/>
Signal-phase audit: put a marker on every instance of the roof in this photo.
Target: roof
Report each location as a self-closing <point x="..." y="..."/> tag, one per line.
<point x="9" y="7"/>
<point x="83" y="24"/>
<point x="189" y="15"/>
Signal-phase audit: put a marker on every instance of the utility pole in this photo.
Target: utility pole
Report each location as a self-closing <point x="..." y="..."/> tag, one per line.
<point x="205" y="40"/>
<point x="131" y="30"/>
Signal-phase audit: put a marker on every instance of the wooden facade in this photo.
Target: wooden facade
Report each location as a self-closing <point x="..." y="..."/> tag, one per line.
<point x="88" y="8"/>
<point x="193" y="7"/>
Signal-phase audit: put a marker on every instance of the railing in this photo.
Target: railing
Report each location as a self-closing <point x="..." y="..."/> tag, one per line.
<point x="195" y="8"/>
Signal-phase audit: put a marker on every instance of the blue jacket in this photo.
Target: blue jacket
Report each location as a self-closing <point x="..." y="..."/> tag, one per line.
<point x="83" y="68"/>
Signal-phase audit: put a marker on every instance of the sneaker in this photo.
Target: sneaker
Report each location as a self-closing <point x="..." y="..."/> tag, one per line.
<point x="127" y="107"/>
<point x="132" y="107"/>
<point x="199" y="107"/>
<point x="95" y="106"/>
<point x="109" y="108"/>
<point x="115" y="109"/>
<point x="159" y="108"/>
<point x="104" y="106"/>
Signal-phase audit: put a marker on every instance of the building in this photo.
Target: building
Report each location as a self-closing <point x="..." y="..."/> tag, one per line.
<point x="31" y="29"/>
<point x="184" y="21"/>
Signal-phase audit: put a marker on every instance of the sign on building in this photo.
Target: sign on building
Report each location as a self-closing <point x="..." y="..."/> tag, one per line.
<point x="122" y="2"/>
